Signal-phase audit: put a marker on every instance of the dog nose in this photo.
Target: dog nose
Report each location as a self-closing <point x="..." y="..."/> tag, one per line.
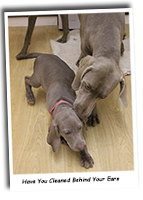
<point x="81" y="146"/>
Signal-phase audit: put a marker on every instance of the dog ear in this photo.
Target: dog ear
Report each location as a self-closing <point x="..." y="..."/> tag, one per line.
<point x="84" y="63"/>
<point x="122" y="94"/>
<point x="53" y="137"/>
<point x="88" y="69"/>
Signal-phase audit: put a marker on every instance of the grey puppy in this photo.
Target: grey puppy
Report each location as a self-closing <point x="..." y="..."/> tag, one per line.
<point x="99" y="72"/>
<point x="56" y="77"/>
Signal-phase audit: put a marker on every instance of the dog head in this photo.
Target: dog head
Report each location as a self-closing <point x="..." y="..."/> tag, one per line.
<point x="68" y="125"/>
<point x="96" y="78"/>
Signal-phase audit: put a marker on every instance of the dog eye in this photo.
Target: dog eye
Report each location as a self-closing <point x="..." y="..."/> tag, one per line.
<point x="87" y="87"/>
<point x="80" y="127"/>
<point x="68" y="132"/>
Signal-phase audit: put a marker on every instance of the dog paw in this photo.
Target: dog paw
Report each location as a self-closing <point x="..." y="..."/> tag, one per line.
<point x="20" y="55"/>
<point x="62" y="40"/>
<point x="86" y="161"/>
<point x="30" y="98"/>
<point x="93" y="120"/>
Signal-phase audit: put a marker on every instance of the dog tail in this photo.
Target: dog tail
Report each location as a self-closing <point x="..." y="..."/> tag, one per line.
<point x="27" y="56"/>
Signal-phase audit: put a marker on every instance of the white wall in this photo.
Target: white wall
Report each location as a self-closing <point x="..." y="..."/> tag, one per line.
<point x="41" y="21"/>
<point x="46" y="20"/>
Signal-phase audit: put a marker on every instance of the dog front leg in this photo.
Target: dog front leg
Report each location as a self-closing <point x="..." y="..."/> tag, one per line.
<point x="93" y="119"/>
<point x="85" y="159"/>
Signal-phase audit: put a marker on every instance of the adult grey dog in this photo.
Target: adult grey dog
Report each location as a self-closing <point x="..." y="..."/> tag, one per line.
<point x="99" y="72"/>
<point x="56" y="77"/>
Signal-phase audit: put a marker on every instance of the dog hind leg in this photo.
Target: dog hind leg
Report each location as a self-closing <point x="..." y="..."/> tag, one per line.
<point x="29" y="82"/>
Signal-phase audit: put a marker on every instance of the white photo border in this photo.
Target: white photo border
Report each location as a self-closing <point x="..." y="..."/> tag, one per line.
<point x="87" y="180"/>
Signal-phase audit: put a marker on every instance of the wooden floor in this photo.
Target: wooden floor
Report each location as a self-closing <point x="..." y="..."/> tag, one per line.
<point x="110" y="143"/>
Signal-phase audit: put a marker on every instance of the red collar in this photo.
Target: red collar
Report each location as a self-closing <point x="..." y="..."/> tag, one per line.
<point x="61" y="101"/>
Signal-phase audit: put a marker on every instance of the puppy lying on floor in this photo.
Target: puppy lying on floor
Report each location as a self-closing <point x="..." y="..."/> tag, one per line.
<point x="56" y="78"/>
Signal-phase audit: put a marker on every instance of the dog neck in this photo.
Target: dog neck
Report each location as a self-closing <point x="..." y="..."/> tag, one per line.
<point x="59" y="102"/>
<point x="109" y="49"/>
